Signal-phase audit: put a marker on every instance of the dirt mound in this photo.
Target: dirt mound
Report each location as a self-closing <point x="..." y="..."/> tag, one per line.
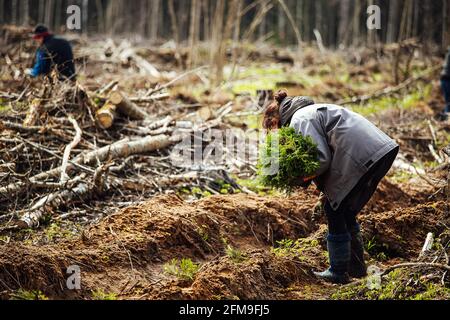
<point x="401" y="232"/>
<point x="126" y="253"/>
<point x="388" y="197"/>
<point x="155" y="232"/>
<point x="265" y="274"/>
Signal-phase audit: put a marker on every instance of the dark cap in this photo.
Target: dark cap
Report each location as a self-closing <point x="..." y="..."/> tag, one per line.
<point x="40" y="31"/>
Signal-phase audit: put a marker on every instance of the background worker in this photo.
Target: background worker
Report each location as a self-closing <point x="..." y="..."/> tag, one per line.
<point x="53" y="52"/>
<point x="445" y="83"/>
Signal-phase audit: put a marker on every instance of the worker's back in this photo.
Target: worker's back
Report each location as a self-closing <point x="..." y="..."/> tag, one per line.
<point x="60" y="53"/>
<point x="349" y="145"/>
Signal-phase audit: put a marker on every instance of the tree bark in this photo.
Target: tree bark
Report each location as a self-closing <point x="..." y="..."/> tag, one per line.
<point x="106" y="116"/>
<point x="128" y="108"/>
<point x="393" y="21"/>
<point x="154" y="18"/>
<point x="446" y="24"/>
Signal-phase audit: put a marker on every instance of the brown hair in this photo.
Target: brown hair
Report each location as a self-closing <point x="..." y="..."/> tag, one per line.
<point x="272" y="114"/>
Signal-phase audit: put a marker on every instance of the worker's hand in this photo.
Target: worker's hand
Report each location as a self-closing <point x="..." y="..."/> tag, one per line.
<point x="309" y="179"/>
<point x="29" y="72"/>
<point x="306" y="182"/>
<point x="318" y="209"/>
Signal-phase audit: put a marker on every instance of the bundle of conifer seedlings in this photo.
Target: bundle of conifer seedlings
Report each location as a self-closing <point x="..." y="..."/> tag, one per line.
<point x="286" y="159"/>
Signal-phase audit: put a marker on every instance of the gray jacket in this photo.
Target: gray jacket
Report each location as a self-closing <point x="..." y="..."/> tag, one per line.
<point x="349" y="145"/>
<point x="446" y="71"/>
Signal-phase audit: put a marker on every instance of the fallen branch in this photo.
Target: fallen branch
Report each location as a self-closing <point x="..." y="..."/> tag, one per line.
<point x="76" y="140"/>
<point x="31" y="219"/>
<point x="416" y="265"/>
<point x="121" y="149"/>
<point x="172" y="82"/>
<point x="34" y="113"/>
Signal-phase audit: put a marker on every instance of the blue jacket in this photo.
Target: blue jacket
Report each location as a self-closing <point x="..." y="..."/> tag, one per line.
<point x="55" y="52"/>
<point x="42" y="65"/>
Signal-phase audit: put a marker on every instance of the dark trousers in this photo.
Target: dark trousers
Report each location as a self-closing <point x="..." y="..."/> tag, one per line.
<point x="445" y="84"/>
<point x="343" y="220"/>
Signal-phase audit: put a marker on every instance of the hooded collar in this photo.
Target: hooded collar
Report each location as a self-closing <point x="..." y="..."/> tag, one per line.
<point x="290" y="106"/>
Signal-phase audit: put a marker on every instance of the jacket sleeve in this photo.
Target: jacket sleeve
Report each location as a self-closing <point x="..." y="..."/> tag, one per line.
<point x="42" y="64"/>
<point x="313" y="129"/>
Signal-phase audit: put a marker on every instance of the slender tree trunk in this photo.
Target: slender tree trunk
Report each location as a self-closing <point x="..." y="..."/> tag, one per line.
<point x="173" y="21"/>
<point x="393" y="21"/>
<point x="2" y="11"/>
<point x="356" y="34"/>
<point x="101" y="16"/>
<point x="206" y="20"/>
<point x="49" y="10"/>
<point x="143" y="10"/>
<point x="26" y="12"/>
<point x="428" y="30"/>
<point x="154" y="19"/>
<point x="85" y="16"/>
<point x="14" y="10"/>
<point x="281" y="24"/>
<point x="344" y="21"/>
<point x="373" y="36"/>
<point x="193" y="32"/>
<point x="58" y="14"/>
<point x="445" y="23"/>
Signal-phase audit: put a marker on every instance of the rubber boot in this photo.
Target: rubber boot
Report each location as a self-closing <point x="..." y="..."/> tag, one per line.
<point x="357" y="267"/>
<point x="339" y="251"/>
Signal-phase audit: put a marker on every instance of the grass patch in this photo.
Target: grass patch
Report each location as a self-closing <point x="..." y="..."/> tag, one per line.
<point x="22" y="294"/>
<point x="185" y="269"/>
<point x="398" y="285"/>
<point x="103" y="296"/>
<point x="407" y="102"/>
<point x="257" y="77"/>
<point x="377" y="250"/>
<point x="296" y="249"/>
<point x="236" y="255"/>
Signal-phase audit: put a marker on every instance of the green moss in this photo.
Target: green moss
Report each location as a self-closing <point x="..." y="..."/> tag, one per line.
<point x="400" y="284"/>
<point x="54" y="232"/>
<point x="433" y="292"/>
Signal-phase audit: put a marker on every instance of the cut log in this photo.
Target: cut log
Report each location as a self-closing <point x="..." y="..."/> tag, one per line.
<point x="125" y="106"/>
<point x="106" y="115"/>
<point x="205" y="113"/>
<point x="33" y="113"/>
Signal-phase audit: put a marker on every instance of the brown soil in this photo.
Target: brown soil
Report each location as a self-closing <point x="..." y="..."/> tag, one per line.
<point x="125" y="253"/>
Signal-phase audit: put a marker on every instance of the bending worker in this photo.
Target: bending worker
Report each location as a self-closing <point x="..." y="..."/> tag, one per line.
<point x="53" y="52"/>
<point x="354" y="157"/>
